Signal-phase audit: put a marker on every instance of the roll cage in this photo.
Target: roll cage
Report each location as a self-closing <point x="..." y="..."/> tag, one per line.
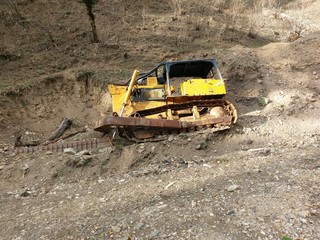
<point x="187" y="68"/>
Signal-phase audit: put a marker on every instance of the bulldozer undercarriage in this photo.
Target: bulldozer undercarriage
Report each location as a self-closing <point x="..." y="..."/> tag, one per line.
<point x="185" y="117"/>
<point x="146" y="132"/>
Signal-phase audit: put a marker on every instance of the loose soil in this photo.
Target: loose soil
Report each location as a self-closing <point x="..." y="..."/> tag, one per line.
<point x="257" y="180"/>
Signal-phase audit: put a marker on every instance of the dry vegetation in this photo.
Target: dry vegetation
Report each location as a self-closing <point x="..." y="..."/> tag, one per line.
<point x="259" y="180"/>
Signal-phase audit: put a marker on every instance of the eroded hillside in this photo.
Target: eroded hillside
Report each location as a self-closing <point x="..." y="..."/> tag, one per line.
<point x="257" y="180"/>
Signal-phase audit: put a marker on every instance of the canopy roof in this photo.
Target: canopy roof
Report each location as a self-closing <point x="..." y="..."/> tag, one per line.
<point x="185" y="68"/>
<point x="190" y="68"/>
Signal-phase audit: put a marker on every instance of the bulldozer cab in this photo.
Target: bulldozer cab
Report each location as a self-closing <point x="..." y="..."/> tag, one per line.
<point x="184" y="78"/>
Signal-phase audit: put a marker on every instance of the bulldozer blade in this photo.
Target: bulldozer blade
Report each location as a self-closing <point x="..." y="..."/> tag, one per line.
<point x="106" y="124"/>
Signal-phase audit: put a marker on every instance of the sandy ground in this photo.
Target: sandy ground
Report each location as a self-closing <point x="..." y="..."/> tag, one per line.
<point x="257" y="180"/>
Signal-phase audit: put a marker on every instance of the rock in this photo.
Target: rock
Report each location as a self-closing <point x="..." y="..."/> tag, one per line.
<point x="29" y="192"/>
<point x="141" y="150"/>
<point x="48" y="153"/>
<point x="202" y="145"/>
<point x="25" y="193"/>
<point x="233" y="188"/>
<point x="189" y="139"/>
<point x="304" y="213"/>
<point x="141" y="145"/>
<point x="162" y="206"/>
<point x="313" y="212"/>
<point x="86" y="158"/>
<point x="100" y="180"/>
<point x="198" y="147"/>
<point x="125" y="238"/>
<point x="314" y="73"/>
<point x="193" y="204"/>
<point x="138" y="226"/>
<point x="260" y="219"/>
<point x="264" y="151"/>
<point x="303" y="220"/>
<point x="170" y="138"/>
<point x="106" y="150"/>
<point x="169" y="185"/>
<point x="154" y="234"/>
<point x="116" y="229"/>
<point x="206" y="165"/>
<point x="84" y="152"/>
<point x="2" y="167"/>
<point x="70" y="151"/>
<point x="79" y="161"/>
<point x="25" y="169"/>
<point x="231" y="212"/>
<point x="84" y="161"/>
<point x="289" y="216"/>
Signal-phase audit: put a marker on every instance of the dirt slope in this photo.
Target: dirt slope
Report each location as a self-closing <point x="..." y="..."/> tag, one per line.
<point x="257" y="180"/>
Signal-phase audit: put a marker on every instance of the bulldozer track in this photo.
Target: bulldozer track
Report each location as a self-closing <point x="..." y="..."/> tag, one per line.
<point x="56" y="147"/>
<point x="162" y="134"/>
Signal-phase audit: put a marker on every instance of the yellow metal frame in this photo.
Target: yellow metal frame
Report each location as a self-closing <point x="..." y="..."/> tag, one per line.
<point x="124" y="106"/>
<point x="200" y="87"/>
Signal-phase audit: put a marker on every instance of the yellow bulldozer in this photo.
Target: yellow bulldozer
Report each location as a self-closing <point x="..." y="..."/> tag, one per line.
<point x="173" y="97"/>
